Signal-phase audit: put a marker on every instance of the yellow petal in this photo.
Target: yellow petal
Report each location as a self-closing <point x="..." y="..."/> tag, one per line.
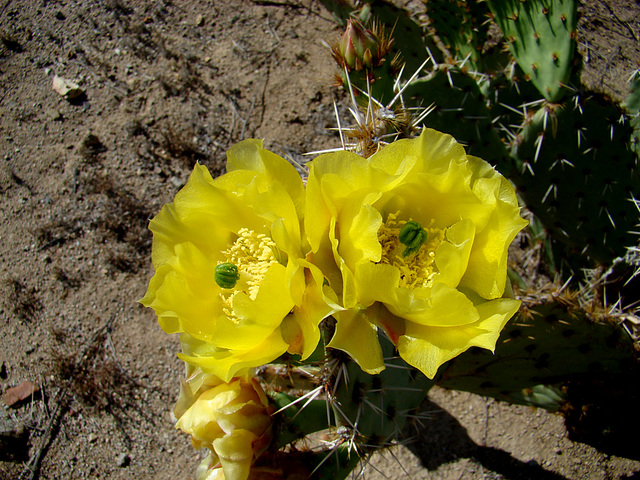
<point x="250" y="155"/>
<point x="255" y="319"/>
<point x="202" y="214"/>
<point x="301" y="328"/>
<point x="377" y="282"/>
<point x="447" y="307"/>
<point x="358" y="337"/>
<point x="226" y="364"/>
<point x="486" y="272"/>
<point x="431" y="152"/>
<point x="427" y="348"/>
<point x="184" y="294"/>
<point x="236" y="454"/>
<point x="452" y="255"/>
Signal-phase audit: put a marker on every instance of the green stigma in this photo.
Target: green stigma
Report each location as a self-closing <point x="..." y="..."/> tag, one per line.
<point x="226" y="275"/>
<point x="413" y="236"/>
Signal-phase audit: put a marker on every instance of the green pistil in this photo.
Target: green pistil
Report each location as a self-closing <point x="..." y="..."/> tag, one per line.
<point x="413" y="236"/>
<point x="226" y="275"/>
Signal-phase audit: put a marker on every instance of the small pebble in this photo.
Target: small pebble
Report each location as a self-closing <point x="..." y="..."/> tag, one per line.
<point x="123" y="460"/>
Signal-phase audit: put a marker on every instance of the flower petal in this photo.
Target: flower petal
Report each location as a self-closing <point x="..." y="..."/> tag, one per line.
<point x="486" y="273"/>
<point x="426" y="347"/>
<point x="448" y="307"/>
<point x="236" y="454"/>
<point x="226" y="364"/>
<point x="183" y="293"/>
<point x="255" y="319"/>
<point x="366" y="351"/>
<point x="301" y="328"/>
<point x="452" y="255"/>
<point x="250" y="155"/>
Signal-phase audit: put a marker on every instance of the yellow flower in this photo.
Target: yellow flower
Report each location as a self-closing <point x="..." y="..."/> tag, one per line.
<point x="415" y="238"/>
<point x="230" y="267"/>
<point x="231" y="419"/>
<point x="281" y="466"/>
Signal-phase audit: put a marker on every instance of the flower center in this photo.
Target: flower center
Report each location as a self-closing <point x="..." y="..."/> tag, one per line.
<point x="252" y="254"/>
<point x="417" y="265"/>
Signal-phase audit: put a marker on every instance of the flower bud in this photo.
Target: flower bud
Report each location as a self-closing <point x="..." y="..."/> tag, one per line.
<point x="358" y="46"/>
<point x="230" y="419"/>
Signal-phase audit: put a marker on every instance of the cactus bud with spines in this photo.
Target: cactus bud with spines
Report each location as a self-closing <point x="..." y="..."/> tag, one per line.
<point x="359" y="47"/>
<point x="366" y="53"/>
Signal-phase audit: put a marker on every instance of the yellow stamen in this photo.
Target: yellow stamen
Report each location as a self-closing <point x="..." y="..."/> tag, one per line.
<point x="418" y="269"/>
<point x="253" y="254"/>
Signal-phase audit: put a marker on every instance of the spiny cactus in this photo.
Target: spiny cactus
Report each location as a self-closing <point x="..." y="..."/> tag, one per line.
<point x="365" y="54"/>
<point x="577" y="174"/>
<point x="355" y="412"/>
<point x="463" y="29"/>
<point x="573" y="156"/>
<point x="552" y="340"/>
<point x="510" y="114"/>
<point x="344" y="298"/>
<point x="459" y="109"/>
<point x="541" y="36"/>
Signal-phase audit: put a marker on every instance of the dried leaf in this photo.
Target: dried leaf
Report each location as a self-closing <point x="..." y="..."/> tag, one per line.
<point x="23" y="391"/>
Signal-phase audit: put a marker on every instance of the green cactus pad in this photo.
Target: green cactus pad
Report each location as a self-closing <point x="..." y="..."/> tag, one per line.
<point x="577" y="175"/>
<point x="408" y="35"/>
<point x="632" y="105"/>
<point x="462" y="27"/>
<point x="376" y="407"/>
<point x="460" y="111"/>
<point x="549" y="342"/>
<point x="541" y="36"/>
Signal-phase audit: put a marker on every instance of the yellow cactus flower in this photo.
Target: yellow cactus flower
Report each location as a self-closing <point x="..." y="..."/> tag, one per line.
<point x="231" y="419"/>
<point x="230" y="267"/>
<point x="415" y="238"/>
<point x="279" y="466"/>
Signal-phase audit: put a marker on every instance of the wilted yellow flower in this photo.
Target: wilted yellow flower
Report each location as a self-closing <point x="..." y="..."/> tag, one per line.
<point x="230" y="265"/>
<point x="415" y="238"/>
<point x="279" y="466"/>
<point x="231" y="419"/>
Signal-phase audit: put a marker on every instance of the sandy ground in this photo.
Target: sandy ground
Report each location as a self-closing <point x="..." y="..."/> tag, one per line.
<point x="167" y="84"/>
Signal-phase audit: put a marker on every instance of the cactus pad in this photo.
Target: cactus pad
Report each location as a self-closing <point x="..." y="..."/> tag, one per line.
<point x="541" y="34"/>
